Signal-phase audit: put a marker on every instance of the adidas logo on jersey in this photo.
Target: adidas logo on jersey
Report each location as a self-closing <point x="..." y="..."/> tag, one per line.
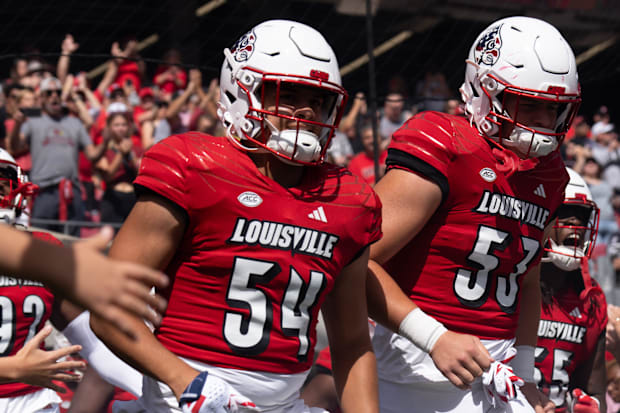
<point x="575" y="313"/>
<point x="318" y="214"/>
<point x="540" y="191"/>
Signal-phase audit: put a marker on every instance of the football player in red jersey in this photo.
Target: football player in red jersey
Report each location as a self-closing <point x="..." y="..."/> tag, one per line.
<point x="25" y="368"/>
<point x="258" y="234"/>
<point x="570" y="354"/>
<point x="25" y="307"/>
<point x="466" y="201"/>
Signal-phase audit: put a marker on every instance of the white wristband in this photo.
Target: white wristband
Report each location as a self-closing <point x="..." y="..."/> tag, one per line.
<point x="421" y="329"/>
<point x="523" y="363"/>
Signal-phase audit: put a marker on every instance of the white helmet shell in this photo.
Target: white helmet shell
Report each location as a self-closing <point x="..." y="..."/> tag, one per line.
<point x="581" y="242"/>
<point x="528" y="58"/>
<point x="279" y="52"/>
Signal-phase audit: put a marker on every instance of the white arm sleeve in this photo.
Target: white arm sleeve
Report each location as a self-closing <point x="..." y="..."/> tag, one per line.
<point x="111" y="368"/>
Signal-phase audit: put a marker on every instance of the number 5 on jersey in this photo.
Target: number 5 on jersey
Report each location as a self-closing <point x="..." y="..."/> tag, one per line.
<point x="472" y="288"/>
<point x="249" y="335"/>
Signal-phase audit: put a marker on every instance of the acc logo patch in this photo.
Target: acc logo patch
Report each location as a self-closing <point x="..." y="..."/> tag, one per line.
<point x="250" y="199"/>
<point x="244" y="47"/>
<point x="488" y="174"/>
<point x="488" y="47"/>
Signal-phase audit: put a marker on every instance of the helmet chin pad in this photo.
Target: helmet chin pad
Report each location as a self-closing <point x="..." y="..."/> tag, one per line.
<point x="526" y="141"/>
<point x="297" y="145"/>
<point x="563" y="257"/>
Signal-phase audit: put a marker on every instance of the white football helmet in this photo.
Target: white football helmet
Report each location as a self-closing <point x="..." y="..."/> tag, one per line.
<point x="279" y="54"/>
<point x="526" y="58"/>
<point x="13" y="194"/>
<point x="580" y="243"/>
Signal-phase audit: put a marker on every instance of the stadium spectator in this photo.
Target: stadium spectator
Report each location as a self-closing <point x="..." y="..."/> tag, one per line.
<point x="351" y="120"/>
<point x="340" y="150"/>
<point x="453" y="107"/>
<point x="130" y="66"/>
<point x="456" y="274"/>
<point x="155" y="130"/>
<point x="118" y="168"/>
<point x="393" y="116"/>
<point x="363" y="164"/>
<point x="170" y="77"/>
<point x="185" y="104"/>
<point x="54" y="140"/>
<point x="433" y="91"/>
<point x="19" y="70"/>
<point x="606" y="150"/>
<point x="179" y="224"/>
<point x="602" y="193"/>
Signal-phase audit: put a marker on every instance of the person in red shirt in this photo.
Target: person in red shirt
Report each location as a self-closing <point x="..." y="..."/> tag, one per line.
<point x="570" y="352"/>
<point x="259" y="234"/>
<point x="29" y="376"/>
<point x="170" y="77"/>
<point x="454" y="282"/>
<point x="363" y="164"/>
<point x="118" y="168"/>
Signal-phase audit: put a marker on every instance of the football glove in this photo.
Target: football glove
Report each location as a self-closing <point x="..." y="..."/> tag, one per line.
<point x="210" y="394"/>
<point x="500" y="383"/>
<point x="583" y="403"/>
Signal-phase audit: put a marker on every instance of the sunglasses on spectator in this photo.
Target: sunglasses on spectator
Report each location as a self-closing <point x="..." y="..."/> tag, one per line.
<point x="49" y="93"/>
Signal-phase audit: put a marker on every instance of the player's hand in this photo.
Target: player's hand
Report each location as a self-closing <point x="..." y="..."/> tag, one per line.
<point x="39" y="367"/>
<point x="461" y="358"/>
<point x="501" y="383"/>
<point x="583" y="403"/>
<point x="537" y="399"/>
<point x="69" y="45"/>
<point x="210" y="394"/>
<point x="113" y="289"/>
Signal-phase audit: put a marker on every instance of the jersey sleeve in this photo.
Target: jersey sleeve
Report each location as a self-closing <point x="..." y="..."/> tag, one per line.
<point x="374" y="220"/>
<point x="164" y="170"/>
<point x="423" y="145"/>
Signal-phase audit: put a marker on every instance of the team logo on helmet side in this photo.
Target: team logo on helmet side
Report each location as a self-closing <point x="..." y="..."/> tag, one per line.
<point x="488" y="47"/>
<point x="244" y="47"/>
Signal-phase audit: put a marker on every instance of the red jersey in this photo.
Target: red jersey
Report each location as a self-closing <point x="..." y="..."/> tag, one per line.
<point x="568" y="333"/>
<point x="363" y="166"/>
<point x="465" y="267"/>
<point x="257" y="260"/>
<point x="26" y="306"/>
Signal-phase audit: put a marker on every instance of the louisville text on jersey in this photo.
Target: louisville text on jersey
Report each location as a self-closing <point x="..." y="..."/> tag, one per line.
<point x="494" y="203"/>
<point x="557" y="330"/>
<point x="284" y="237"/>
<point x="17" y="282"/>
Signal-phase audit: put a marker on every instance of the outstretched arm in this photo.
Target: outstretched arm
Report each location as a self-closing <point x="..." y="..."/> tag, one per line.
<point x="38" y="367"/>
<point x="112" y="289"/>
